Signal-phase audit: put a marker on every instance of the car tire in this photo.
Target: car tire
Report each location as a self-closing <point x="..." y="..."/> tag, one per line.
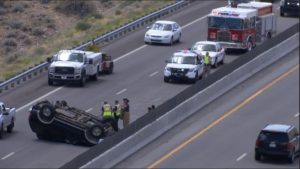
<point x="50" y="82"/>
<point x="215" y="65"/>
<point x="166" y="79"/>
<point x="257" y="156"/>
<point x="82" y="80"/>
<point x="47" y="114"/>
<point x="171" y="41"/>
<point x="1" y="131"/>
<point x="11" y="126"/>
<point x="195" y="79"/>
<point x="178" y="40"/>
<point x="291" y="157"/>
<point x="249" y="45"/>
<point x="222" y="61"/>
<point x="94" y="133"/>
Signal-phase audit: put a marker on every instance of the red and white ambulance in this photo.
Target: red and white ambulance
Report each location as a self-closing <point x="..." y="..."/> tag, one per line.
<point x="242" y="27"/>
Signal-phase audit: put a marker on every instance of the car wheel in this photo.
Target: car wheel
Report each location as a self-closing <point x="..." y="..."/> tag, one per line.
<point x="216" y="63"/>
<point x="94" y="133"/>
<point x="171" y="41"/>
<point x="50" y="82"/>
<point x="257" y="156"/>
<point x="178" y="40"/>
<point x="249" y="45"/>
<point x="1" y="131"/>
<point x="46" y="114"/>
<point x="222" y="61"/>
<point x="166" y="79"/>
<point x="291" y="157"/>
<point x="195" y="79"/>
<point x="11" y="126"/>
<point x="82" y="80"/>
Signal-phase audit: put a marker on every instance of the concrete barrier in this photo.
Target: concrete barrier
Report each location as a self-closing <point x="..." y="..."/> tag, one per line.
<point x="153" y="130"/>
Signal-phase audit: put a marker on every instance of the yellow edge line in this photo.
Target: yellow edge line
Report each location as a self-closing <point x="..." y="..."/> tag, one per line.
<point x="236" y="108"/>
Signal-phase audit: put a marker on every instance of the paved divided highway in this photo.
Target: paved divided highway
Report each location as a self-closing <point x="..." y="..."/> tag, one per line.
<point x="138" y="75"/>
<point x="223" y="134"/>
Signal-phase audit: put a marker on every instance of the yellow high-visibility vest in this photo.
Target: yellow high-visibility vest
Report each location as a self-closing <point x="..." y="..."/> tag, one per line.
<point x="206" y="59"/>
<point x="107" y="110"/>
<point x="118" y="111"/>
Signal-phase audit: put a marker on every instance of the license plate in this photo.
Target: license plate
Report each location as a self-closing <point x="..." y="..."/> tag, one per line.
<point x="64" y="77"/>
<point x="273" y="145"/>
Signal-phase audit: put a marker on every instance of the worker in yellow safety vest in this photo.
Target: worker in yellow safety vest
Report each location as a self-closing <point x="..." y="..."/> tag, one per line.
<point x="206" y="64"/>
<point x="117" y="112"/>
<point x="107" y="115"/>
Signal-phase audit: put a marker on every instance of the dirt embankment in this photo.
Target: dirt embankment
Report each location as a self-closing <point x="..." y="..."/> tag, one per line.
<point x="30" y="31"/>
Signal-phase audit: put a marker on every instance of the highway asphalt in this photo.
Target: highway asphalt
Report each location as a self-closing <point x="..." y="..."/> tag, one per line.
<point x="271" y="96"/>
<point x="138" y="75"/>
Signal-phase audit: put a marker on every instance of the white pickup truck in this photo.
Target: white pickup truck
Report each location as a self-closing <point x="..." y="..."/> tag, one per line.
<point x="7" y="119"/>
<point x="77" y="66"/>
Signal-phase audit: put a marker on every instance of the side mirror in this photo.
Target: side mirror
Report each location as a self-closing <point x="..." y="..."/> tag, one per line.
<point x="90" y="61"/>
<point x="49" y="59"/>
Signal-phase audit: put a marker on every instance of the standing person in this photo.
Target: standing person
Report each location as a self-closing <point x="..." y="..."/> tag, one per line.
<point x="206" y="64"/>
<point x="107" y="115"/>
<point x="117" y="112"/>
<point x="125" y="112"/>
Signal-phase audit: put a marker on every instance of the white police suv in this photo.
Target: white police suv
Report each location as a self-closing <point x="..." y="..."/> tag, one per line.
<point x="184" y="65"/>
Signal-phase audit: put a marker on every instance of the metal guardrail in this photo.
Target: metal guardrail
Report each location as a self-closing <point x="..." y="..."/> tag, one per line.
<point x="101" y="40"/>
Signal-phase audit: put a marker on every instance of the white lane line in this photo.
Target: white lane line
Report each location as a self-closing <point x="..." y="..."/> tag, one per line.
<point x="129" y="53"/>
<point x="34" y="101"/>
<point x="8" y="155"/>
<point x="189" y="24"/>
<point x="242" y="156"/>
<point x="90" y="109"/>
<point x="154" y="73"/>
<point x="296" y="115"/>
<point x="122" y="91"/>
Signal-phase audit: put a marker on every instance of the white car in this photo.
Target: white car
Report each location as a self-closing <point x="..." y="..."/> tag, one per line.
<point x="166" y="32"/>
<point x="215" y="50"/>
<point x="184" y="65"/>
<point x="7" y="119"/>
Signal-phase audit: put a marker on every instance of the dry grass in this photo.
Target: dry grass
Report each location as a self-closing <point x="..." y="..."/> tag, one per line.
<point x="62" y="32"/>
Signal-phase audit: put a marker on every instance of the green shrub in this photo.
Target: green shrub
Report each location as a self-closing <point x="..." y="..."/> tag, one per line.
<point x="38" y="32"/>
<point x="10" y="42"/>
<point x="39" y="51"/>
<point x="82" y="26"/>
<point x="118" y="12"/>
<point x="16" y="24"/>
<point x="98" y="15"/>
<point x="12" y="34"/>
<point x="76" y="7"/>
<point x="18" y="7"/>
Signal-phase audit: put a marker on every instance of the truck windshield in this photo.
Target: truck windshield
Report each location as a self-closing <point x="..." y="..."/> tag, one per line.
<point x="225" y="23"/>
<point x="183" y="60"/>
<point x="74" y="57"/>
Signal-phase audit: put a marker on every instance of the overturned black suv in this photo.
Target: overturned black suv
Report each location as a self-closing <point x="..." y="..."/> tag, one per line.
<point x="60" y="122"/>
